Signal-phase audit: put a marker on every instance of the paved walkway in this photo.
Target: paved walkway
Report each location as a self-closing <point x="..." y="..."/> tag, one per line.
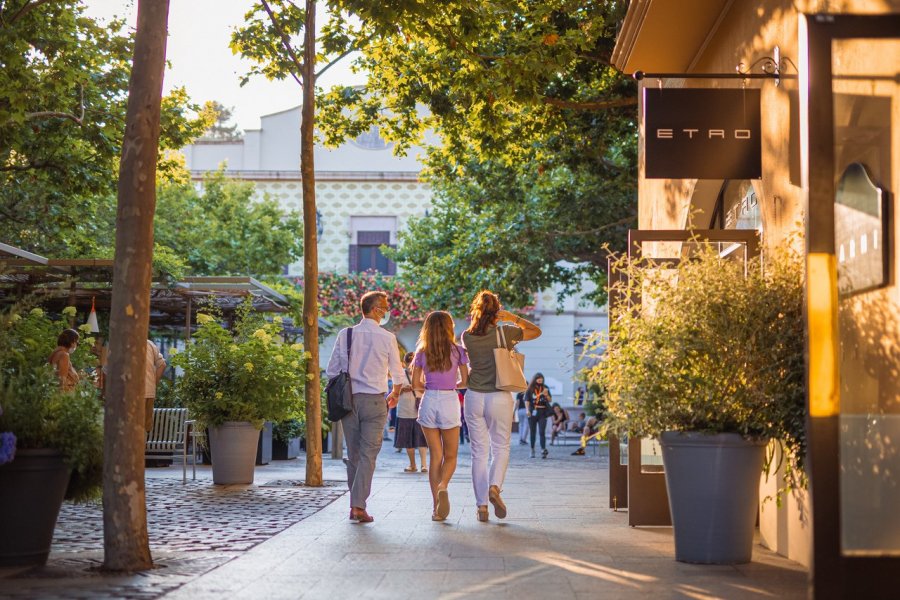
<point x="559" y="541"/>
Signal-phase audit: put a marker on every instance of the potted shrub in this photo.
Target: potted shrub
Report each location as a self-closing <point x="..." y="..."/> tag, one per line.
<point x="232" y="382"/>
<point x="286" y="439"/>
<point x="708" y="356"/>
<point x="47" y="435"/>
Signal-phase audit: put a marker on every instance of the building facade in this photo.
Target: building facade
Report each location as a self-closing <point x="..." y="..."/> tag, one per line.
<point x="829" y="97"/>
<point x="365" y="195"/>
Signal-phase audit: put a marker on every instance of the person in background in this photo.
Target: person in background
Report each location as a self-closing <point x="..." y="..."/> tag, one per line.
<point x="591" y="429"/>
<point x="154" y="368"/>
<point x="489" y="411"/>
<point x="66" y="344"/>
<point x="560" y="419"/>
<point x="522" y="414"/>
<point x="408" y="434"/>
<point x="577" y="425"/>
<point x="439" y="368"/>
<point x="537" y="400"/>
<point x="463" y="429"/>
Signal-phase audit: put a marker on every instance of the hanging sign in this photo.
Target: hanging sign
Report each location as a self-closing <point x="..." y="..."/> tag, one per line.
<point x="702" y="134"/>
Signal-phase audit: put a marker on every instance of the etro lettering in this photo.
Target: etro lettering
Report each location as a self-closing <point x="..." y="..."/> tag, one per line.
<point x="738" y="134"/>
<point x="702" y="134"/>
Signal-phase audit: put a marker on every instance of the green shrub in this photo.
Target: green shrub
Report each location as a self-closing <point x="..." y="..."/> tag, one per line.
<point x="708" y="345"/>
<point x="248" y="375"/>
<point x="37" y="412"/>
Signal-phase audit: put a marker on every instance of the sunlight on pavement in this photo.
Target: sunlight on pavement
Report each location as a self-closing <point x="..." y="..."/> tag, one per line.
<point x="493" y="583"/>
<point x="582" y="567"/>
<point x="694" y="592"/>
<point x="755" y="590"/>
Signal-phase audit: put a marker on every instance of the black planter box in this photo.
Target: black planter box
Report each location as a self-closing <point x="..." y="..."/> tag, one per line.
<point x="264" y="447"/>
<point x="324" y="443"/>
<point x="288" y="450"/>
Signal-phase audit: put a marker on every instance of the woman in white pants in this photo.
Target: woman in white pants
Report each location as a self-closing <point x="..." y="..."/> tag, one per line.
<point x="489" y="411"/>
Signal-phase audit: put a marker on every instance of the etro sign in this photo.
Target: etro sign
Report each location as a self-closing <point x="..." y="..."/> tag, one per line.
<point x="702" y="134"/>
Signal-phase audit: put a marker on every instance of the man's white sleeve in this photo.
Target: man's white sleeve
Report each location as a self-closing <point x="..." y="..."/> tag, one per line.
<point x="337" y="355"/>
<point x="398" y="375"/>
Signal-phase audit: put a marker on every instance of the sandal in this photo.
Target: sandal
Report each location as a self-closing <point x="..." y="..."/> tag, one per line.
<point x="436" y="517"/>
<point x="412" y="469"/>
<point x="483" y="514"/>
<point x="497" y="501"/>
<point x="424" y="469"/>
<point x="443" y="504"/>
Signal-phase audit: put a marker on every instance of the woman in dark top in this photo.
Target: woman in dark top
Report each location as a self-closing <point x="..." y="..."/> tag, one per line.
<point x="489" y="411"/>
<point x="537" y="401"/>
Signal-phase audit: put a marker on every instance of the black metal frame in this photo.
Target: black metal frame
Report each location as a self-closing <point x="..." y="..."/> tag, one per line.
<point x="834" y="575"/>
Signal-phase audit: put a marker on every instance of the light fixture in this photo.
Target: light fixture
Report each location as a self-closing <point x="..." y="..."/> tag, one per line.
<point x="92" y="318"/>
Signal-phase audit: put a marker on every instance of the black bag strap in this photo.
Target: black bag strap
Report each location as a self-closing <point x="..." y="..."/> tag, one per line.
<point x="349" y="343"/>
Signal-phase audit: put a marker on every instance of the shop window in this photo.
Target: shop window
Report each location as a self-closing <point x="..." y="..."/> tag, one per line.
<point x="737" y="207"/>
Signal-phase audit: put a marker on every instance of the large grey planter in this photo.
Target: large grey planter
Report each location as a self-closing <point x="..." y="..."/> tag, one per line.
<point x="713" y="484"/>
<point x="233" y="448"/>
<point x="32" y="487"/>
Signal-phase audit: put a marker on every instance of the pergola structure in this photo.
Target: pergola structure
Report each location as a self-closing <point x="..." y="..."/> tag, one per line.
<point x="81" y="282"/>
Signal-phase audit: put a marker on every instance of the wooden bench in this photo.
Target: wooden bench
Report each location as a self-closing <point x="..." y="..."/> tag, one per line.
<point x="168" y="434"/>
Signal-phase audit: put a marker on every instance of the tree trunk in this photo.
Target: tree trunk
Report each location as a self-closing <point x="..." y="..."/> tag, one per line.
<point x="310" y="253"/>
<point x="125" y="542"/>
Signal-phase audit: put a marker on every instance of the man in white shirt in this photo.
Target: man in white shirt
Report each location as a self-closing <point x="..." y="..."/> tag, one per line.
<point x="374" y="355"/>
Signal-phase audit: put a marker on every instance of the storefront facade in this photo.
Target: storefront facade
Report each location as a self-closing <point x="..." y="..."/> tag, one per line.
<point x="828" y="78"/>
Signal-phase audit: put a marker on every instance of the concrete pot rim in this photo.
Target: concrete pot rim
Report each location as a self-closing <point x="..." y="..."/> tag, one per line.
<point x="699" y="438"/>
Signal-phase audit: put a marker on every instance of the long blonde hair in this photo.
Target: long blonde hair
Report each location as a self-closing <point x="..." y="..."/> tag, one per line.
<point x="436" y="341"/>
<point x="484" y="311"/>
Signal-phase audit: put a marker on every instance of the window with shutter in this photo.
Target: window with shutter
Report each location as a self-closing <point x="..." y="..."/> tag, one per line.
<point x="366" y="254"/>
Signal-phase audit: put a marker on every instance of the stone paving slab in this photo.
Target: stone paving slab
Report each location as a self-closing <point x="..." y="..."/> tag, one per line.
<point x="560" y="541"/>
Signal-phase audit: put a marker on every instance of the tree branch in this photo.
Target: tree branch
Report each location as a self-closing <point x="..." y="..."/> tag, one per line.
<point x="601" y="105"/>
<point x="30" y="166"/>
<point x="627" y="219"/>
<point x="26" y="8"/>
<point x="335" y="61"/>
<point x="52" y="114"/>
<point x="285" y="41"/>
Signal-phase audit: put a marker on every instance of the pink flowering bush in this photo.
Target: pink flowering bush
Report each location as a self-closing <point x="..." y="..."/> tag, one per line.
<point x="339" y="295"/>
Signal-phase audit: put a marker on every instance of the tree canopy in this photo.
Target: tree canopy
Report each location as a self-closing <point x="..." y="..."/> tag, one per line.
<point x="536" y="162"/>
<point x="223" y="230"/>
<point x="62" y="121"/>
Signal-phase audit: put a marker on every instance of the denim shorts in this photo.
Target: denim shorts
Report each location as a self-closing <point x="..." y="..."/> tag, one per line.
<point x="440" y="410"/>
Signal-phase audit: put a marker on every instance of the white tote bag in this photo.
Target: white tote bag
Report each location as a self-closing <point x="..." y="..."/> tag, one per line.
<point x="510" y="366"/>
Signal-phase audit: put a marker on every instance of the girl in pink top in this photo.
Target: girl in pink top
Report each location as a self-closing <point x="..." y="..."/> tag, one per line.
<point x="438" y="369"/>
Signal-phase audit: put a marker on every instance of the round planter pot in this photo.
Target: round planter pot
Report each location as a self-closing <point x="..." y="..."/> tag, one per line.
<point x="233" y="448"/>
<point x="713" y="485"/>
<point x="32" y="488"/>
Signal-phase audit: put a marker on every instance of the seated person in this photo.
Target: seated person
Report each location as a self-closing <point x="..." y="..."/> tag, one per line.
<point x="560" y="419"/>
<point x="591" y="430"/>
<point x="577" y="425"/>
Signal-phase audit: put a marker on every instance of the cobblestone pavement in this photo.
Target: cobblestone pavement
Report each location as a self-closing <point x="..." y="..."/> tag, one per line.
<point x="193" y="528"/>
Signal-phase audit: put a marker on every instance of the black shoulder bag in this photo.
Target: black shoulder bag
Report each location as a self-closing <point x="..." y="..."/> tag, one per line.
<point x="338" y="393"/>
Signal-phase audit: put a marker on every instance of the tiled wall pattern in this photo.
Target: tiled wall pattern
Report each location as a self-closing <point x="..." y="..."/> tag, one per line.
<point x="338" y="201"/>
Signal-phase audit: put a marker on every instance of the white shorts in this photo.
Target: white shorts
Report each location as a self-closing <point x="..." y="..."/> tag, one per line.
<point x="440" y="410"/>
